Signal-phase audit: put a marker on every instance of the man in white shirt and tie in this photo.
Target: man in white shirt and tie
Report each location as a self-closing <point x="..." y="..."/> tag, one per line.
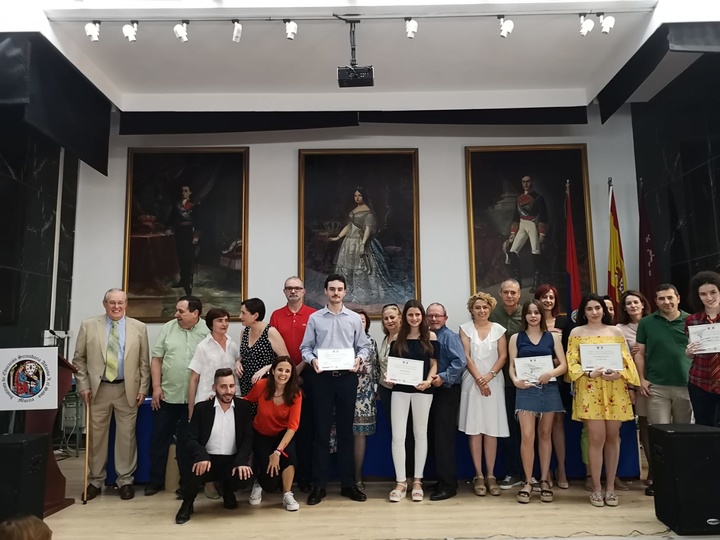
<point x="219" y="444"/>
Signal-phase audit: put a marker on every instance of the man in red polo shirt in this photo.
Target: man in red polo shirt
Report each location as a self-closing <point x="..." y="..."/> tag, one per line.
<point x="291" y="321"/>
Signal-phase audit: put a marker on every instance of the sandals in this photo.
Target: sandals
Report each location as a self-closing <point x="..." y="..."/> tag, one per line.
<point x="546" y="494"/>
<point x="417" y="494"/>
<point x="396" y="495"/>
<point x="596" y="499"/>
<point x="493" y="487"/>
<point x="611" y="499"/>
<point x="525" y="493"/>
<point x="479" y="486"/>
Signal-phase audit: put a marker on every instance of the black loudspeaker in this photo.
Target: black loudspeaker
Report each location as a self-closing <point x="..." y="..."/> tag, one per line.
<point x="23" y="469"/>
<point x="685" y="461"/>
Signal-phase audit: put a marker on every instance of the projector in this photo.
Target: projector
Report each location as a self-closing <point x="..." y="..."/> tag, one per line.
<point x="350" y="77"/>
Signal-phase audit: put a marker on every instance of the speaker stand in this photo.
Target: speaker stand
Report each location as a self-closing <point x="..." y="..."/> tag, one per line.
<point x="44" y="422"/>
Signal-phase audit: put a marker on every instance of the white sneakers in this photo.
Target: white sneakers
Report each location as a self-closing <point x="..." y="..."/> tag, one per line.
<point x="256" y="494"/>
<point x="289" y="502"/>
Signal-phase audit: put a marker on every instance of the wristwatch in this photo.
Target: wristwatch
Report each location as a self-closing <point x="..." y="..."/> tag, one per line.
<point x="493" y="373"/>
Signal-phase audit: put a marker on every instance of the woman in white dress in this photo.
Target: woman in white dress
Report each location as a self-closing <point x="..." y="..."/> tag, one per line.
<point x="482" y="400"/>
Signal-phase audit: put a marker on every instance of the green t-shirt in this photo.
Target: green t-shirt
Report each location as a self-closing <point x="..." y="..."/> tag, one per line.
<point x="512" y="323"/>
<point x="665" y="342"/>
<point x="176" y="347"/>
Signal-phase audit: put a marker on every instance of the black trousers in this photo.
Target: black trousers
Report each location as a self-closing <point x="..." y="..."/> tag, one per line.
<point x="263" y="446"/>
<point x="443" y="426"/>
<point x="331" y="393"/>
<point x="306" y="432"/>
<point x="220" y="471"/>
<point x="511" y="444"/>
<point x="170" y="421"/>
<point x="185" y="253"/>
<point x="706" y="406"/>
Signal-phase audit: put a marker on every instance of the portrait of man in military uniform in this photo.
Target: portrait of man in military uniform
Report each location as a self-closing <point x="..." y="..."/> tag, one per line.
<point x="186" y="229"/>
<point x="516" y="207"/>
<point x="529" y="223"/>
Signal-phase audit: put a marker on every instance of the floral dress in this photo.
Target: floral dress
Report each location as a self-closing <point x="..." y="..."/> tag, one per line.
<point x="598" y="399"/>
<point x="365" y="408"/>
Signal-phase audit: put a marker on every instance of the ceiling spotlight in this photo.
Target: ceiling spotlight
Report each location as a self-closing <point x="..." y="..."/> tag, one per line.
<point x="411" y="28"/>
<point x="92" y="30"/>
<point x="291" y="28"/>
<point x="237" y="31"/>
<point x="181" y="31"/>
<point x="606" y="23"/>
<point x="586" y="25"/>
<point x="130" y="31"/>
<point x="506" y="26"/>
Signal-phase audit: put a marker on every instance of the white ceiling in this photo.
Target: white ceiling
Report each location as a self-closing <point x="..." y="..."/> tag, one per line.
<point x="453" y="62"/>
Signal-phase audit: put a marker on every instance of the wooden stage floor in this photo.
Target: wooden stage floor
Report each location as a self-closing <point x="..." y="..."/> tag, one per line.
<point x="465" y="516"/>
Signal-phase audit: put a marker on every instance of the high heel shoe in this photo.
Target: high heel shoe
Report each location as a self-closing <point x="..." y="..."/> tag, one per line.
<point x="562" y="484"/>
<point x="479" y="486"/>
<point x="493" y="486"/>
<point x="396" y="495"/>
<point x="525" y="493"/>
<point x="546" y="494"/>
<point x="417" y="494"/>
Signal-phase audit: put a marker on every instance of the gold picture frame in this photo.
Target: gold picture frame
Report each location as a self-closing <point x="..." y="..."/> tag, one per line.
<point x="387" y="267"/>
<point x="178" y="243"/>
<point x="494" y="182"/>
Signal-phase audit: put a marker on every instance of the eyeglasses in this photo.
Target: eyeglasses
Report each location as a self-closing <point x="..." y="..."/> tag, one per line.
<point x="294" y="289"/>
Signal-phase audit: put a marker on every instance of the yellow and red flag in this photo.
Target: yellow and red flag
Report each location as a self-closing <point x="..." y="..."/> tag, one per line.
<point x="617" y="279"/>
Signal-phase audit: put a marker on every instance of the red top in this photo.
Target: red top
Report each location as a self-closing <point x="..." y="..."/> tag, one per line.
<point x="705" y="368"/>
<point x="272" y="419"/>
<point x="292" y="328"/>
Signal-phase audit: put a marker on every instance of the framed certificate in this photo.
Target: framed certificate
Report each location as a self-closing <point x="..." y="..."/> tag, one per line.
<point x="601" y="355"/>
<point x="708" y="335"/>
<point x="336" y="359"/>
<point x="530" y="368"/>
<point x="404" y="371"/>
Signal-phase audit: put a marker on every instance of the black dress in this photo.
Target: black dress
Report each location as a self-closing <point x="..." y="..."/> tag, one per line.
<point x="253" y="358"/>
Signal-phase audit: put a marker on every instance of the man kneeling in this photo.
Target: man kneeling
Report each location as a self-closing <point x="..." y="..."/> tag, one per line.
<point x="219" y="444"/>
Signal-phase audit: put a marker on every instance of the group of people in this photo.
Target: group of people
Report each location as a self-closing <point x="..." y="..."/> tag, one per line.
<point x="265" y="414"/>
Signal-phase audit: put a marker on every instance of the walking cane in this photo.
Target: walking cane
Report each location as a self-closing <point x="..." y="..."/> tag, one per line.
<point x="87" y="451"/>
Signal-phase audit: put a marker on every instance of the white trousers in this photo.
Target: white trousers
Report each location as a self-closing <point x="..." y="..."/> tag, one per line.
<point x="526" y="229"/>
<point x="399" y="411"/>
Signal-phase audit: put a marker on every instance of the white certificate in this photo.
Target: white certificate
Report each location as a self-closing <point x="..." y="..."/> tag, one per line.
<point x="336" y="359"/>
<point x="404" y="371"/>
<point x="531" y="367"/>
<point x="606" y="355"/>
<point x="708" y="335"/>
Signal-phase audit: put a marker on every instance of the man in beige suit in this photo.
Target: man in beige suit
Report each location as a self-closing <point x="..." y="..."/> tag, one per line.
<point x="112" y="359"/>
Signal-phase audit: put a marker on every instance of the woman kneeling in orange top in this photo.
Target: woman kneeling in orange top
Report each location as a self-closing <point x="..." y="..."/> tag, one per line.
<point x="279" y="401"/>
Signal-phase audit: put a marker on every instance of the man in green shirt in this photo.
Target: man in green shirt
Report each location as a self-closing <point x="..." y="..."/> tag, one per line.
<point x="662" y="364"/>
<point x="174" y="348"/>
<point x="508" y="313"/>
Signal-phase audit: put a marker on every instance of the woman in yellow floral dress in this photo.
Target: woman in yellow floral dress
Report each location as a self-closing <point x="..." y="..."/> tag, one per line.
<point x="601" y="399"/>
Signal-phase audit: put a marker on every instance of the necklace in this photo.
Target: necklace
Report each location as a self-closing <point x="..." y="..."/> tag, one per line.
<point x="278" y="395"/>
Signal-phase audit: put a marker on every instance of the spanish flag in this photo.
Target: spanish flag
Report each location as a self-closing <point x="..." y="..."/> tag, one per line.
<point x="616" y="265"/>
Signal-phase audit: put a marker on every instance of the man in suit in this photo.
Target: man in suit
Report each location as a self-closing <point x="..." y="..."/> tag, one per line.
<point x="111" y="356"/>
<point x="219" y="444"/>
